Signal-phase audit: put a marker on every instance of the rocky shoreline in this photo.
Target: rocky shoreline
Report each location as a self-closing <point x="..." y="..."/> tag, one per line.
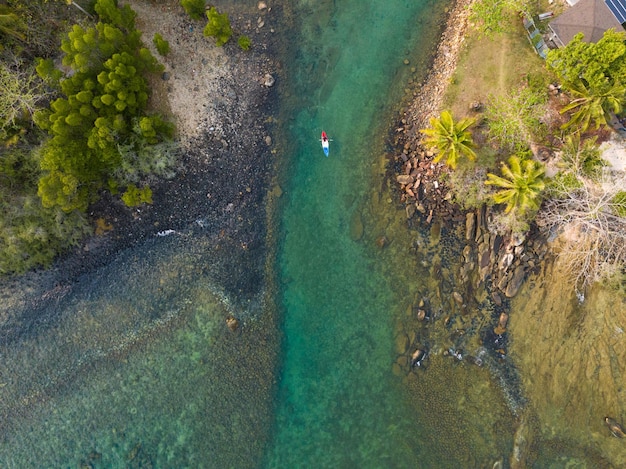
<point x="221" y="180"/>
<point x="488" y="258"/>
<point x="464" y="311"/>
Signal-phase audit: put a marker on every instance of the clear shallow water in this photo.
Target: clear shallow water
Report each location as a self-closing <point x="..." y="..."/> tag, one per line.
<point x="138" y="369"/>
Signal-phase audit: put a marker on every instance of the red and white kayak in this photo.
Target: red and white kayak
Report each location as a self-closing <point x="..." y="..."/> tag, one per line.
<point x="324" y="141"/>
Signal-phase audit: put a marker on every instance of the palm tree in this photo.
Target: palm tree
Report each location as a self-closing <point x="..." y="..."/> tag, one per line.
<point x="521" y="184"/>
<point x="451" y="139"/>
<point x="594" y="103"/>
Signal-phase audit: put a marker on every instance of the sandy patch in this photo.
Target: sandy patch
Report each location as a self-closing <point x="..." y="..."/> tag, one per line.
<point x="193" y="67"/>
<point x="614" y="152"/>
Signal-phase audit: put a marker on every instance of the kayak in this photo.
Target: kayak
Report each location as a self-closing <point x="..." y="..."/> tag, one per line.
<point x="324" y="141"/>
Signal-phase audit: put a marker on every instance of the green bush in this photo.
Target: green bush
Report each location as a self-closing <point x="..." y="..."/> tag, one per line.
<point x="31" y="235"/>
<point x="562" y="184"/>
<point x="162" y="46"/>
<point x="244" y="42"/>
<point x="194" y="8"/>
<point x="135" y="196"/>
<point x="218" y="27"/>
<point x="619" y="204"/>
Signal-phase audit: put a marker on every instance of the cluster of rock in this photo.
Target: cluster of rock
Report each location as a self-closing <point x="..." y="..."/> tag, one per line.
<point x="419" y="179"/>
<point x="426" y="100"/>
<point x="505" y="260"/>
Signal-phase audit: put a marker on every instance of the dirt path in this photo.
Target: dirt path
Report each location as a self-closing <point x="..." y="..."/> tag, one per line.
<point x="503" y="64"/>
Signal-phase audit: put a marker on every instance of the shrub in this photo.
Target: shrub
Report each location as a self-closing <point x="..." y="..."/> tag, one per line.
<point x="619" y="204"/>
<point x="468" y="186"/>
<point x="218" y="27"/>
<point x="194" y="8"/>
<point x="135" y="196"/>
<point x="514" y="119"/>
<point x="162" y="46"/>
<point x="244" y="42"/>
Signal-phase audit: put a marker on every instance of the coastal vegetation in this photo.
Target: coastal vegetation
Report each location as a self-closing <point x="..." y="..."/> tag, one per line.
<point x="218" y="26"/>
<point x="551" y="122"/>
<point x="162" y="46"/>
<point x="72" y="130"/>
<point x="451" y="139"/>
<point x="194" y="8"/>
<point x="520" y="185"/>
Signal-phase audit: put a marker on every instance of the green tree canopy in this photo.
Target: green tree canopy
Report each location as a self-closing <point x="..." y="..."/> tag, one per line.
<point x="194" y="8"/>
<point x="218" y="26"/>
<point x="102" y="109"/>
<point x="593" y="63"/>
<point x="594" y="103"/>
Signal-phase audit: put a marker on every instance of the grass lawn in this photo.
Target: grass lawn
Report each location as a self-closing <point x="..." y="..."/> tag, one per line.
<point x="491" y="66"/>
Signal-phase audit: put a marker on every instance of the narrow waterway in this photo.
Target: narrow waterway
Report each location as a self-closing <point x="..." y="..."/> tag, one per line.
<point x="339" y="404"/>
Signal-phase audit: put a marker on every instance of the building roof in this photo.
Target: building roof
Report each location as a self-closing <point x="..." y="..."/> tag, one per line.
<point x="590" y="17"/>
<point x="618" y="8"/>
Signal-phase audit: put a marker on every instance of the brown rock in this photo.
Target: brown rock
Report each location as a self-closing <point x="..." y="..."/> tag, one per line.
<point x="496" y="298"/>
<point x="382" y="241"/>
<point x="232" y="323"/>
<point x="418" y="357"/>
<point x="402" y="343"/>
<point x="503" y="320"/>
<point x="405" y="179"/>
<point x="470" y="225"/>
<point x="457" y="297"/>
<point x="516" y="282"/>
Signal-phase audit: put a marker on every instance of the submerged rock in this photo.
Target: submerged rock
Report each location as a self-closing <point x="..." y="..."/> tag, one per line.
<point x="515" y="283"/>
<point x="232" y="323"/>
<point x="356" y="227"/>
<point x="616" y="429"/>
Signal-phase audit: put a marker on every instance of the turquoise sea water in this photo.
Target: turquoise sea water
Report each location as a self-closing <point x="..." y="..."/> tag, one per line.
<point x="338" y="403"/>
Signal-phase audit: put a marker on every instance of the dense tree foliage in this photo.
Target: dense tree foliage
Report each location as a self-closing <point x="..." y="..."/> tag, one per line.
<point x="593" y="74"/>
<point x="103" y="107"/>
<point x="593" y="63"/>
<point x="92" y="130"/>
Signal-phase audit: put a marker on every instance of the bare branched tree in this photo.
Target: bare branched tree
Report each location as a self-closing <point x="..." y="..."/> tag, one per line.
<point x="592" y="221"/>
<point x="23" y="92"/>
